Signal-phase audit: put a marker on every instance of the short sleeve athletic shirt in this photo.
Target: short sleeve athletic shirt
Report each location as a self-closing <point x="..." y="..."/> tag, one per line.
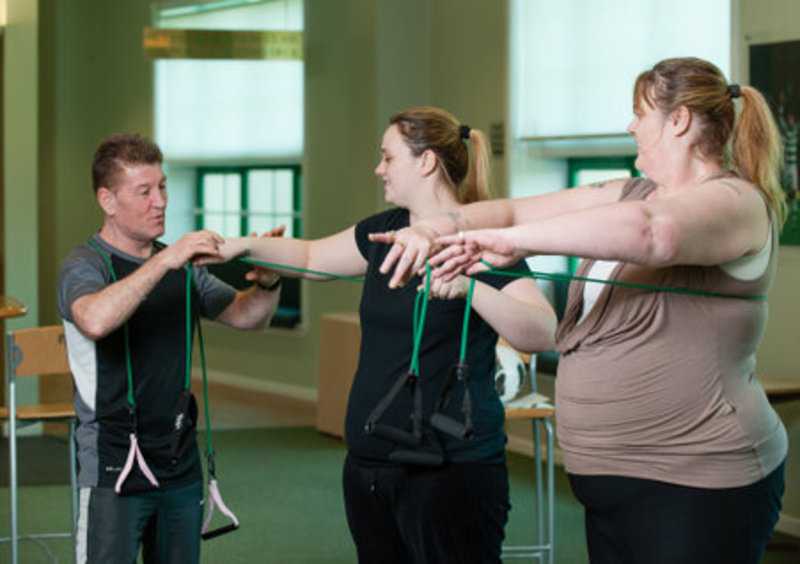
<point x="157" y="332"/>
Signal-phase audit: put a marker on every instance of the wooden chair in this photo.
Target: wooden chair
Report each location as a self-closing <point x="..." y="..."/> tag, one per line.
<point x="39" y="351"/>
<point x="540" y="415"/>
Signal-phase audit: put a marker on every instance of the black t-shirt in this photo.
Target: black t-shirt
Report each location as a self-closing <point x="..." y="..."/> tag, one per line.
<point x="157" y="336"/>
<point x="387" y="318"/>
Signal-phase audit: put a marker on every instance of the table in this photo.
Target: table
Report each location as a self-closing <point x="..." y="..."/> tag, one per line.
<point x="10" y="307"/>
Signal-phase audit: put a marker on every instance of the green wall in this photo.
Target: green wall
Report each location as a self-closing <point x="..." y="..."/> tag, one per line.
<point x="20" y="157"/>
<point x="94" y="81"/>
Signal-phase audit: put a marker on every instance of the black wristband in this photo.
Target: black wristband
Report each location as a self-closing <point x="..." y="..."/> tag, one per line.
<point x="272" y="287"/>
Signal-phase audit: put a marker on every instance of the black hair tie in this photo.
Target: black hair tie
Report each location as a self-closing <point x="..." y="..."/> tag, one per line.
<point x="463" y="131"/>
<point x="734" y="90"/>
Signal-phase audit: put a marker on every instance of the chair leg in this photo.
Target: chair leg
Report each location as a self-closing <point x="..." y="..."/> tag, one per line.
<point x="551" y="491"/>
<point x="13" y="459"/>
<point x="73" y="478"/>
<point x="544" y="512"/>
<point x="12" y="471"/>
<point x="537" y="462"/>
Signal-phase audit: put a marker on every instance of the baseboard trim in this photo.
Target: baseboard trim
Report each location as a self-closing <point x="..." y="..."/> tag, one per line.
<point x="27" y="430"/>
<point x="519" y="445"/>
<point x="515" y="444"/>
<point x="789" y="525"/>
<point x="263" y="386"/>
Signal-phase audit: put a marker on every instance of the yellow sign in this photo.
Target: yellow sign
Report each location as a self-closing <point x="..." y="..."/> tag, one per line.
<point x="160" y="43"/>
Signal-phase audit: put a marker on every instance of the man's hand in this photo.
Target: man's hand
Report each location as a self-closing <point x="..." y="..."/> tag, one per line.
<point x="260" y="275"/>
<point x="189" y="247"/>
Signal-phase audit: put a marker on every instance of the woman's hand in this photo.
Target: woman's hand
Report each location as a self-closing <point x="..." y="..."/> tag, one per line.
<point x="411" y="246"/>
<point x="443" y="289"/>
<point x="227" y="250"/>
<point x="190" y="247"/>
<point x="265" y="277"/>
<point x="465" y="251"/>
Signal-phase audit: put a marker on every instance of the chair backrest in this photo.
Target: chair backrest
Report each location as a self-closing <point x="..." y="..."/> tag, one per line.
<point x="41" y="350"/>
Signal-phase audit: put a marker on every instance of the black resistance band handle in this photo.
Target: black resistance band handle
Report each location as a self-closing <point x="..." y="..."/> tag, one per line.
<point x="395" y="434"/>
<point x="418" y="458"/>
<point x="446" y="424"/>
<point x="219" y="531"/>
<point x="452" y="427"/>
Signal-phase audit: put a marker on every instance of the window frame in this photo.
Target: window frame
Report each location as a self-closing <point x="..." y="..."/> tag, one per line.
<point x="242" y="170"/>
<point x="577" y="164"/>
<point x="289" y="312"/>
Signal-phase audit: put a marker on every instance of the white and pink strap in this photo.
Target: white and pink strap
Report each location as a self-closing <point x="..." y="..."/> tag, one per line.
<point x="134" y="452"/>
<point x="216" y="500"/>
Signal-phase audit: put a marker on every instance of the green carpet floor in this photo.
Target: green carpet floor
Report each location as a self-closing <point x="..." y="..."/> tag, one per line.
<point x="284" y="485"/>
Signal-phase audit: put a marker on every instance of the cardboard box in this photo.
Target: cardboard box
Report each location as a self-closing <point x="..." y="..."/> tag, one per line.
<point x="340" y="339"/>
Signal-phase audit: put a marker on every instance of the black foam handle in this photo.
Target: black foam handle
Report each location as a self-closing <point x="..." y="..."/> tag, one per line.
<point x="432" y="459"/>
<point x="393" y="434"/>
<point x="450" y="426"/>
<point x="219" y="531"/>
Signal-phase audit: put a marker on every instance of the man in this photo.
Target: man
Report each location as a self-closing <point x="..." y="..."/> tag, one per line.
<point x="123" y="300"/>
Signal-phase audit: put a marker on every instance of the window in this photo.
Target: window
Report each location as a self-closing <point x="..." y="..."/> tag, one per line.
<point x="229" y="119"/>
<point x="229" y="107"/>
<point x="586" y="170"/>
<point x="237" y="201"/>
<point x="574" y="62"/>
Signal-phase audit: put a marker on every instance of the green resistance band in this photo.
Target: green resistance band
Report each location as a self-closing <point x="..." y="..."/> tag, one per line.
<point x="134" y="452"/>
<point x="188" y="379"/>
<point x="537" y="275"/>
<point x="214" y="497"/>
<point x="410" y="382"/>
<point x="420" y="311"/>
<point x="568" y="277"/>
<point x="186" y="414"/>
<point x="128" y="366"/>
<point x="465" y="324"/>
<point x="440" y="420"/>
<point x="274" y="265"/>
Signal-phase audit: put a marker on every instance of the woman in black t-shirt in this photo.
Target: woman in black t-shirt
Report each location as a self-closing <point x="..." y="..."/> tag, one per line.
<point x="448" y="499"/>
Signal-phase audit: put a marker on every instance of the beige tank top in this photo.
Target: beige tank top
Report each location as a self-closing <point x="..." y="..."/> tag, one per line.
<point x="661" y="385"/>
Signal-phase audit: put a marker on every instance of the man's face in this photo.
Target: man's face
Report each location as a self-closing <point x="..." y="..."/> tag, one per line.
<point x="137" y="202"/>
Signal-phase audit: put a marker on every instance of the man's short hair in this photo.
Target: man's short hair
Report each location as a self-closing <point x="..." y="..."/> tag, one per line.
<point x="119" y="150"/>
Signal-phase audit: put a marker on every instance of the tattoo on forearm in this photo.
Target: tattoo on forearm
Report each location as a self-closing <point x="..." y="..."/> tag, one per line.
<point x="732" y="186"/>
<point x="454" y="216"/>
<point x="600" y="184"/>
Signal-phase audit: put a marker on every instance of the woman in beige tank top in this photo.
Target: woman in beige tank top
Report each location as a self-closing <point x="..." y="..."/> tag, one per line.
<point x="667" y="436"/>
